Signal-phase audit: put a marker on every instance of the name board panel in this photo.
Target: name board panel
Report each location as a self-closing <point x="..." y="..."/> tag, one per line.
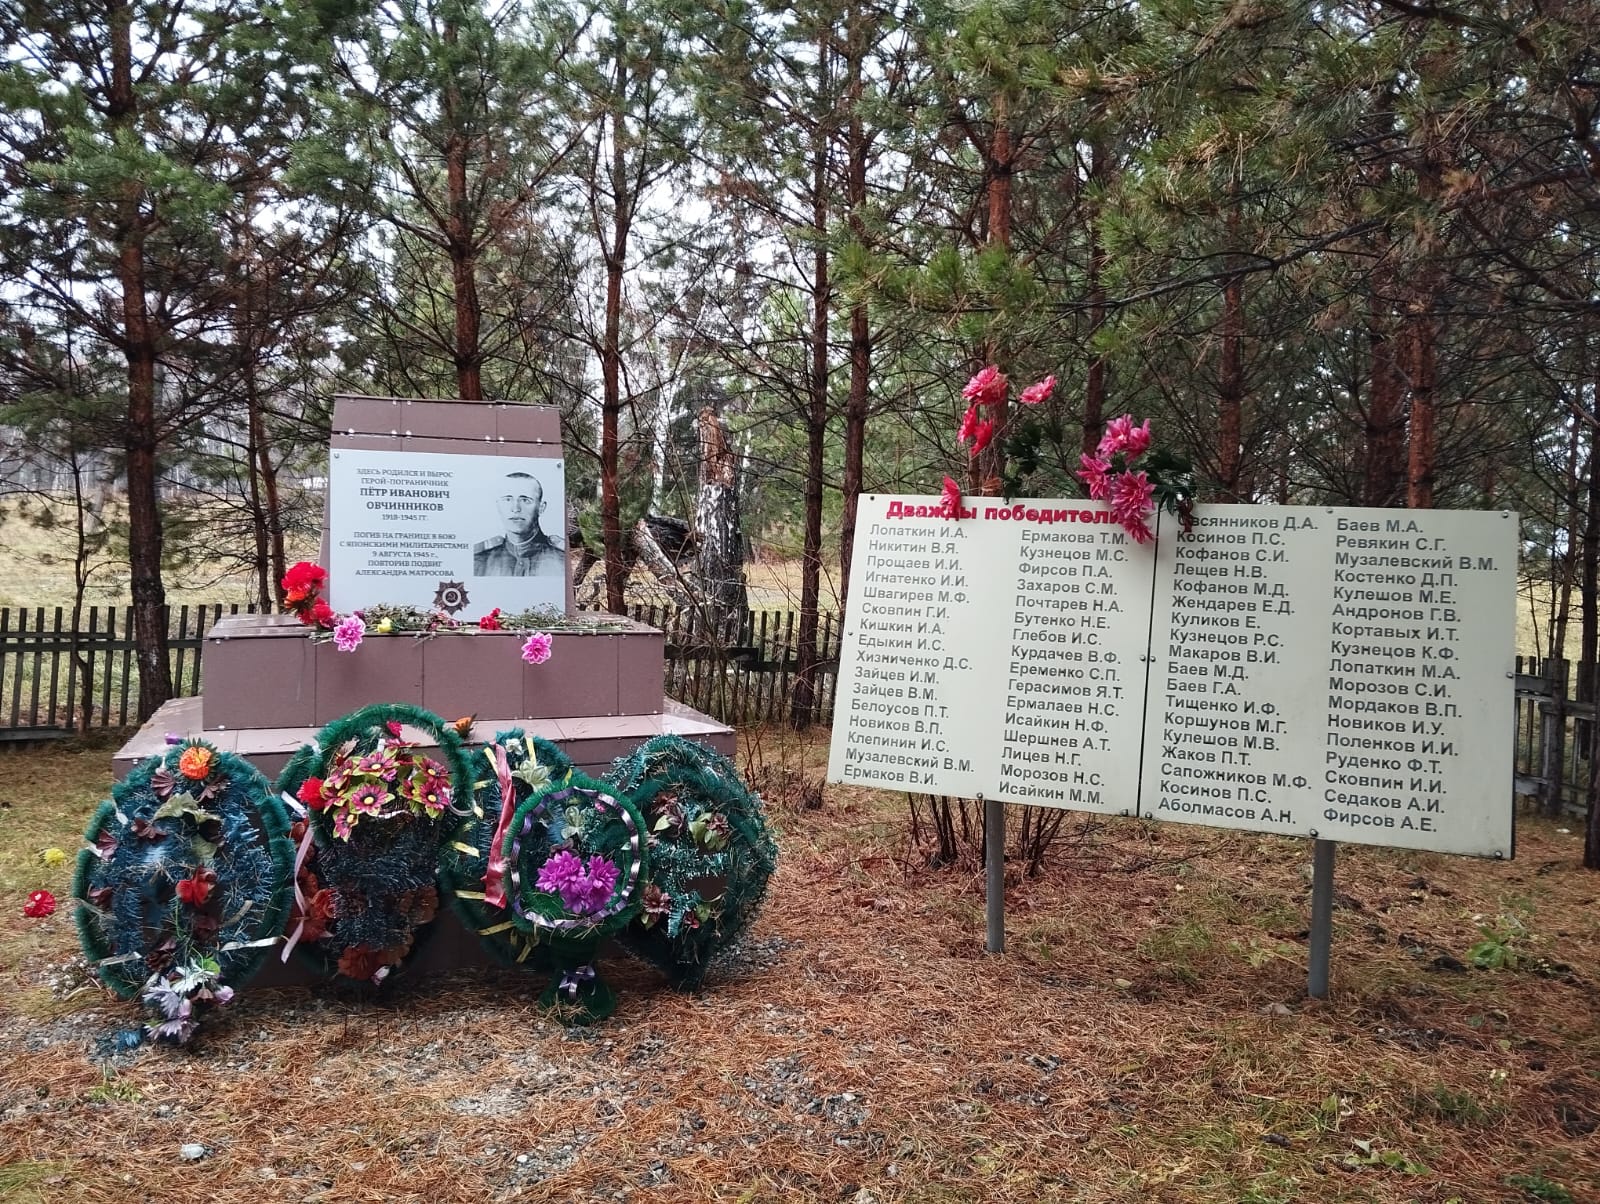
<point x="1342" y="673"/>
<point x="460" y="532"/>
<point x="995" y="656"/>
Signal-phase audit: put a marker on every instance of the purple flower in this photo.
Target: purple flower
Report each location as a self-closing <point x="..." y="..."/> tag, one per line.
<point x="536" y="650"/>
<point x="591" y="892"/>
<point x="347" y="634"/>
<point x="558" y="872"/>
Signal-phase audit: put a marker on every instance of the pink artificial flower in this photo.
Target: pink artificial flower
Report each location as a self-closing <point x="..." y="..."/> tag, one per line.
<point x="969" y="425"/>
<point x="1122" y="436"/>
<point x="589" y="892"/>
<point x="369" y="799"/>
<point x="951" y="499"/>
<point x="986" y="388"/>
<point x="558" y="871"/>
<point x="1132" y="497"/>
<point x="536" y="649"/>
<point x="985" y="432"/>
<point x="1093" y="474"/>
<point x="1139" y="529"/>
<point x="1035" y="393"/>
<point x="348" y="632"/>
<point x="1137" y="441"/>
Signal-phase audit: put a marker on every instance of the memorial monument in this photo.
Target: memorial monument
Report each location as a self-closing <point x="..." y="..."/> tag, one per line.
<point x="441" y="506"/>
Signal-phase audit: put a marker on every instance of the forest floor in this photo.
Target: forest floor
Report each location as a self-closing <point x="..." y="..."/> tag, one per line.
<point x="1146" y="1036"/>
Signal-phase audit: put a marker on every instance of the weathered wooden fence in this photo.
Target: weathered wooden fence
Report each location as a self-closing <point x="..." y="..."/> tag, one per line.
<point x="1555" y="735"/>
<point x="54" y="679"/>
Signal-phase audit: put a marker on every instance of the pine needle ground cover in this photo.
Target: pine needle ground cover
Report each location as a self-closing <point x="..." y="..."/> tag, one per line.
<point x="1145" y="1037"/>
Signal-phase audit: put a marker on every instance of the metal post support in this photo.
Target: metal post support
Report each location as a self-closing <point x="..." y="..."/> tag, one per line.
<point x="1321" y="917"/>
<point x="994" y="873"/>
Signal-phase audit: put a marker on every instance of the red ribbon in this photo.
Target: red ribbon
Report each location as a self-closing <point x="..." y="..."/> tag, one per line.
<point x="494" y="890"/>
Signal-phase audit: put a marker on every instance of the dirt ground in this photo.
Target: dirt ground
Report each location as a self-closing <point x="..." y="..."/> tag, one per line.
<point x="1146" y="1037"/>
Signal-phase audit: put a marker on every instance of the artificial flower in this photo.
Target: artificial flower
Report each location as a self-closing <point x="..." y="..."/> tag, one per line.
<point x="1038" y="391"/>
<point x="657" y="904"/>
<point x="490" y="621"/>
<point x="536" y="649"/>
<point x="348" y="633"/>
<point x="304" y="578"/>
<point x="362" y="962"/>
<point x="311" y="794"/>
<point x="196" y="889"/>
<point x="369" y="799"/>
<point x="381" y="763"/>
<point x="321" y="615"/>
<point x="590" y="892"/>
<point x="1132" y="496"/>
<point x="985" y="432"/>
<point x="1139" y="529"/>
<point x="558" y="871"/>
<point x="987" y="387"/>
<point x="194" y="762"/>
<point x="40" y="904"/>
<point x="969" y="425"/>
<point x="53" y="857"/>
<point x="1122" y="436"/>
<point x="385" y="626"/>
<point x="950" y="499"/>
<point x="1093" y="471"/>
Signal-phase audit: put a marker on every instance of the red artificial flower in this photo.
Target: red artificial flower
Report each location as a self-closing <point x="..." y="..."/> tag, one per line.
<point x="987" y="388"/>
<point x="40" y="904"/>
<point x="304" y="579"/>
<point x="322" y="615"/>
<point x="1035" y="393"/>
<point x="310" y="793"/>
<point x="196" y="889"/>
<point x="981" y="437"/>
<point x="491" y="621"/>
<point x="951" y="499"/>
<point x="969" y="424"/>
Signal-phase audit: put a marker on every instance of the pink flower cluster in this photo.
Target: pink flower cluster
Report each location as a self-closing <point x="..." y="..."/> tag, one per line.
<point x="989" y="388"/>
<point x="585" y="887"/>
<point x="1110" y="476"/>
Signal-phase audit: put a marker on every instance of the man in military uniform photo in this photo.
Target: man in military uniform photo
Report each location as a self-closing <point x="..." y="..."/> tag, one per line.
<point x="524" y="550"/>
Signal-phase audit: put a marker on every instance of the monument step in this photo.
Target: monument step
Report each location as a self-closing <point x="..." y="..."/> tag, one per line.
<point x="592" y="741"/>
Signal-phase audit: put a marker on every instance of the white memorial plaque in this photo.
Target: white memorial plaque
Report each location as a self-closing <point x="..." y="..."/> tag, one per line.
<point x="462" y="533"/>
<point x="994" y="656"/>
<point x="1312" y="671"/>
<point x="1356" y="668"/>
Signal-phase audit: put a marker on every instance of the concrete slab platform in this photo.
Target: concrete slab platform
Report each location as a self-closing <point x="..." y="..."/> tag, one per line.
<point x="592" y="742"/>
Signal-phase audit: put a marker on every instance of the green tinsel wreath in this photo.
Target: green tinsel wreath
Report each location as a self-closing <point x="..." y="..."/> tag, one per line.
<point x="532" y="762"/>
<point x="711" y="854"/>
<point x="383" y="878"/>
<point x="184" y="877"/>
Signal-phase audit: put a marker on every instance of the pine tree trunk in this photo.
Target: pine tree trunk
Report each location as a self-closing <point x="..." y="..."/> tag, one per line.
<point x="803" y="694"/>
<point x="989" y="465"/>
<point x="1230" y="380"/>
<point x="463" y="255"/>
<point x="856" y="405"/>
<point x="139" y="434"/>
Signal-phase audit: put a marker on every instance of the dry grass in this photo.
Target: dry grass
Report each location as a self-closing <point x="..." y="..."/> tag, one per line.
<point x="1145" y="1038"/>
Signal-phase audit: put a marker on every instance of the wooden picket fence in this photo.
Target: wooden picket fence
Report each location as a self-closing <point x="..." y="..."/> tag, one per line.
<point x="55" y="680"/>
